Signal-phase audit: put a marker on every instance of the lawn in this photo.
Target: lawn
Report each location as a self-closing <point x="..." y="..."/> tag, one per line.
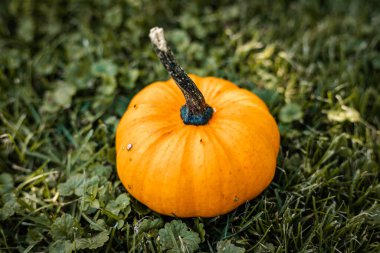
<point x="68" y="70"/>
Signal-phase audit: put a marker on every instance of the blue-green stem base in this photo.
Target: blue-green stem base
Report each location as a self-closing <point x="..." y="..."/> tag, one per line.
<point x="196" y="119"/>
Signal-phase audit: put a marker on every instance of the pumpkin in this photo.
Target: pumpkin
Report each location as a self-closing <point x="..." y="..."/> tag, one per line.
<point x="199" y="153"/>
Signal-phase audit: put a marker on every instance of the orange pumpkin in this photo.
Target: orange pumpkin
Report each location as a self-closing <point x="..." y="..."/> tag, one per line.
<point x="198" y="159"/>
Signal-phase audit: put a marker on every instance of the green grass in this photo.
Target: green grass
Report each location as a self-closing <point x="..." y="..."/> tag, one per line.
<point x="69" y="68"/>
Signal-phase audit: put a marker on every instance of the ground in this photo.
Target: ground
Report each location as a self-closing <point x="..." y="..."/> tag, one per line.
<point x="69" y="68"/>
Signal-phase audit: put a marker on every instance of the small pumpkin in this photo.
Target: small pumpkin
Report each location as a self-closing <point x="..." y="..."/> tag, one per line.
<point x="184" y="157"/>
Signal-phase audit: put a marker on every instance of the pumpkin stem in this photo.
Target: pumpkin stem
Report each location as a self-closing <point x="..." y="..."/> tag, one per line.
<point x="195" y="111"/>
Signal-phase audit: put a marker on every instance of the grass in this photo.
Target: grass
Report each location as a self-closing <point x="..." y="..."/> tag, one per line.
<point x="69" y="68"/>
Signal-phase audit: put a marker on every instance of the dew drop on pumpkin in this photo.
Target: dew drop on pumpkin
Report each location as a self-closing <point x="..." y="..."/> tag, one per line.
<point x="129" y="146"/>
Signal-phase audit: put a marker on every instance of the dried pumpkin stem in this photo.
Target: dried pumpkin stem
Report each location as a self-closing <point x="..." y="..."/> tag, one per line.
<point x="196" y="111"/>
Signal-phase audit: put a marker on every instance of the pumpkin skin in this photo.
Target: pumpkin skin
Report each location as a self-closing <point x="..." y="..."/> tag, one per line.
<point x="196" y="171"/>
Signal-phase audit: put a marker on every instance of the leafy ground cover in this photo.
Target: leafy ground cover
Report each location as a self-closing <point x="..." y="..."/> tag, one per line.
<point x="69" y="68"/>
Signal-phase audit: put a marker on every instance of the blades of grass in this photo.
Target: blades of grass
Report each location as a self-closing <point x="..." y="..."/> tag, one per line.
<point x="68" y="135"/>
<point x="43" y="157"/>
<point x="4" y="238"/>
<point x="80" y="150"/>
<point x="30" y="180"/>
<point x="261" y="239"/>
<point x="94" y="224"/>
<point x="109" y="244"/>
<point x="14" y="127"/>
